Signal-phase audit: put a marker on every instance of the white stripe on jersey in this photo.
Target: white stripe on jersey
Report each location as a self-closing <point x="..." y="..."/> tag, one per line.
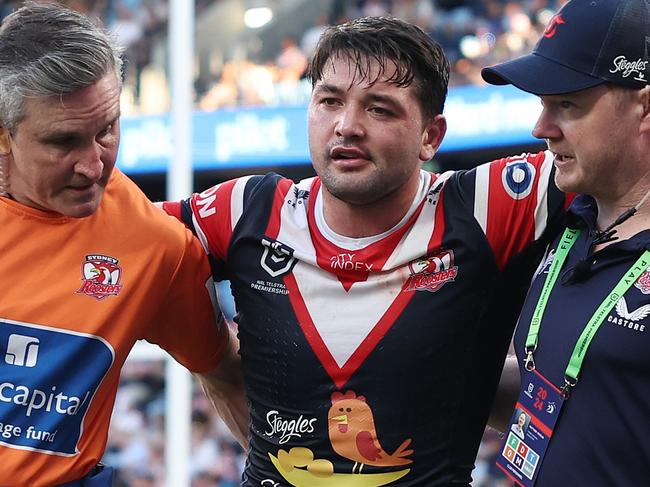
<point x="541" y="212"/>
<point x="415" y="242"/>
<point x="481" y="193"/>
<point x="200" y="235"/>
<point x="237" y="200"/>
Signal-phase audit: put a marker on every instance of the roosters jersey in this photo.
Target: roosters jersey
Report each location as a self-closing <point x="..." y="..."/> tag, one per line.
<point x="601" y="437"/>
<point x="372" y="361"/>
<point x="77" y="293"/>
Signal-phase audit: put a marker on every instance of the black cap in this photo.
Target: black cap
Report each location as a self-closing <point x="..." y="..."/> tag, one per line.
<point x="587" y="43"/>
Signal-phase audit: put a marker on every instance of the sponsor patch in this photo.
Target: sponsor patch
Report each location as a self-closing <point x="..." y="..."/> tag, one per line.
<point x="518" y="178"/>
<point x="44" y="393"/>
<point x="431" y="273"/>
<point x="100" y="277"/>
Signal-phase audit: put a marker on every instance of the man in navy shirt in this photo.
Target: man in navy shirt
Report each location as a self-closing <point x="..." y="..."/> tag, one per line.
<point x="582" y="340"/>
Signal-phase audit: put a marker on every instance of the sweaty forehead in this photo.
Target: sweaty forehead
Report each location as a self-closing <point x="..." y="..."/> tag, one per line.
<point x="360" y="69"/>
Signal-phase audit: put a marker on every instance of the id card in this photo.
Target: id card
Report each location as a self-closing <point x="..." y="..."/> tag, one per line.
<point x="531" y="428"/>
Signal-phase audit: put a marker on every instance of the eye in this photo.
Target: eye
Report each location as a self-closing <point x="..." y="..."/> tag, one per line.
<point x="566" y="104"/>
<point x="378" y="110"/>
<point x="107" y="131"/>
<point x="348" y="410"/>
<point x="330" y="102"/>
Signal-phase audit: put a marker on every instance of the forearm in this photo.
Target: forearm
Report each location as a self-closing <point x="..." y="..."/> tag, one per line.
<point x="506" y="396"/>
<point x="224" y="387"/>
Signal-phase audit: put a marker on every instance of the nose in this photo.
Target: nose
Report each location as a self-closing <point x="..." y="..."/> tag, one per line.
<point x="89" y="162"/>
<point x="350" y="123"/>
<point x="545" y="127"/>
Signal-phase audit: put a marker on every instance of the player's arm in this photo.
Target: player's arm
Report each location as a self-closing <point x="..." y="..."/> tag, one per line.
<point x="224" y="386"/>
<point x="506" y="397"/>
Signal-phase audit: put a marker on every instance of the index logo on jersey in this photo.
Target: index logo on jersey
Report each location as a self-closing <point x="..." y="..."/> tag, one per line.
<point x="100" y="276"/>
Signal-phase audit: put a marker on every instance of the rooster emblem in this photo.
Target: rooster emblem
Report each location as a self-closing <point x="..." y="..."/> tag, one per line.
<point x="353" y="434"/>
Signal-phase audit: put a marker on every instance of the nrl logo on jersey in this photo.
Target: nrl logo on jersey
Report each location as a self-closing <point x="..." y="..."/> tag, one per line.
<point x="277" y="258"/>
<point x="100" y="277"/>
<point x="431" y="273"/>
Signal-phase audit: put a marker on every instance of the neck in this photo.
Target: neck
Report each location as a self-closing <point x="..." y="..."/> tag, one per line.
<point x="358" y="221"/>
<point x="609" y="211"/>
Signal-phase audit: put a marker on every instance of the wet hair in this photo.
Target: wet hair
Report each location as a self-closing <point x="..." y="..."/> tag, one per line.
<point x="49" y="50"/>
<point x="392" y="43"/>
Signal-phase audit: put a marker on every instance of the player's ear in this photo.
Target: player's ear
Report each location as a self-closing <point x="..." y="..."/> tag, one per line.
<point x="5" y="141"/>
<point x="645" y="116"/>
<point x="434" y="132"/>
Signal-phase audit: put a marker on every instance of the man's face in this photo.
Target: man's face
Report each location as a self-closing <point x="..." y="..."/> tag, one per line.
<point x="62" y="153"/>
<point x="367" y="140"/>
<point x="593" y="133"/>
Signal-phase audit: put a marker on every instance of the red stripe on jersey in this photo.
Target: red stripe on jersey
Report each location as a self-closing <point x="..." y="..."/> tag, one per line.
<point x="510" y="228"/>
<point x="341" y="375"/>
<point x="173" y="208"/>
<point x="352" y="266"/>
<point x="273" y="227"/>
<point x="211" y="209"/>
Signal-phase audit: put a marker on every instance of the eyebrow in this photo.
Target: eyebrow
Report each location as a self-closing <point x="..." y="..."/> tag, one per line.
<point x="72" y="133"/>
<point x="376" y="97"/>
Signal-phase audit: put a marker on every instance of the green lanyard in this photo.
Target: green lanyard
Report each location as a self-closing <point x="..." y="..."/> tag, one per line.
<point x="580" y="350"/>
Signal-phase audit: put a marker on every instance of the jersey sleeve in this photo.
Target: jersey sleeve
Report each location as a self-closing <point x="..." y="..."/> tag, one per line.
<point x="186" y="325"/>
<point x="514" y="200"/>
<point x="213" y="214"/>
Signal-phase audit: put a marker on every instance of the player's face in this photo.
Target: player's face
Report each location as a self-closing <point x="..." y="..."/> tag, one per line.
<point x="593" y="135"/>
<point x="368" y="140"/>
<point x="62" y="153"/>
<point x="522" y="420"/>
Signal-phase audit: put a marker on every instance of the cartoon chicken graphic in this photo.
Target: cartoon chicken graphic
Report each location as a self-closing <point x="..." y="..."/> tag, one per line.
<point x="353" y="435"/>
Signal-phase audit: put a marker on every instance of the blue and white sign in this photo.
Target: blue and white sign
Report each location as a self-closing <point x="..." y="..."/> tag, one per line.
<point x="48" y="377"/>
<point x="477" y="117"/>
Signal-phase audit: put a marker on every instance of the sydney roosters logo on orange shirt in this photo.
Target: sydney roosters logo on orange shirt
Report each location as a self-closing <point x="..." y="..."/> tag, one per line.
<point x="551" y="28"/>
<point x="100" y="276"/>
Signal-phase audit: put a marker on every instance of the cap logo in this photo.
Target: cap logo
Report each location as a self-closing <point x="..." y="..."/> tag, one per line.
<point x="551" y="28"/>
<point x="628" y="68"/>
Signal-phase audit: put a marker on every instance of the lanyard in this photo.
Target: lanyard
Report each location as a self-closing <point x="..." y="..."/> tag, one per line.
<point x="580" y="350"/>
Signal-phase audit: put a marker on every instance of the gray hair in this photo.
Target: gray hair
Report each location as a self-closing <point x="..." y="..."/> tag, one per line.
<point x="49" y="50"/>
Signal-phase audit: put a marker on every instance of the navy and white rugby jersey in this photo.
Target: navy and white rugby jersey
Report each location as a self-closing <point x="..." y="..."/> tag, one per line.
<point x="373" y="361"/>
<point x="602" y="434"/>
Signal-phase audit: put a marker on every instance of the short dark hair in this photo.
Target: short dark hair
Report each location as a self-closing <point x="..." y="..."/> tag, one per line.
<point x="418" y="58"/>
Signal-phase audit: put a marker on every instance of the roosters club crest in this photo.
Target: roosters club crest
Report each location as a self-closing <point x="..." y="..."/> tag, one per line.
<point x="643" y="283"/>
<point x="100" y="277"/>
<point x="431" y="273"/>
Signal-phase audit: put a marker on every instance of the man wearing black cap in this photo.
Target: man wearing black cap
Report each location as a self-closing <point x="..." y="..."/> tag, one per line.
<point x="583" y="337"/>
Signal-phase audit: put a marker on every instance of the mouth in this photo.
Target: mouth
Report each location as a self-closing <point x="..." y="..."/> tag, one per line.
<point x="562" y="159"/>
<point x="349" y="156"/>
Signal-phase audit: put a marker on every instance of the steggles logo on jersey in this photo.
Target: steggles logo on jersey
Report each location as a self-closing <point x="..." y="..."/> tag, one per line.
<point x="100" y="276"/>
<point x="286" y="429"/>
<point x="431" y="273"/>
<point x="277" y="258"/>
<point x="518" y="178"/>
<point x="643" y="283"/>
<point x="629" y="319"/>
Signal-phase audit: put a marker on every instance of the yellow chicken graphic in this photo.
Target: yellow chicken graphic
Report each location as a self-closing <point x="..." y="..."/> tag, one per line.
<point x="353" y="435"/>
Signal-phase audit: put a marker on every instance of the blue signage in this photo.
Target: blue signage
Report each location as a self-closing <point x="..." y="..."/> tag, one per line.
<point x="477" y="117"/>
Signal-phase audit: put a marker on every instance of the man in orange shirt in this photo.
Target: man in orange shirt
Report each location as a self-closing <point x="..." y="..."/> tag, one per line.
<point x="88" y="265"/>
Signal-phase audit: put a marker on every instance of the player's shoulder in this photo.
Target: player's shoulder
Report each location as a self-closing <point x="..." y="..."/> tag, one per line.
<point x="128" y="209"/>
